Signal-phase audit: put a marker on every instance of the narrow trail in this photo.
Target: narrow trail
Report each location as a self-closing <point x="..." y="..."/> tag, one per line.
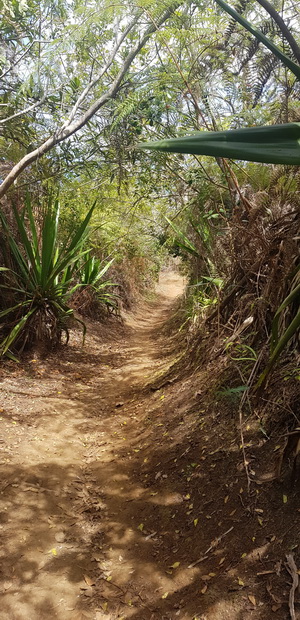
<point x="124" y="496"/>
<point x="61" y="433"/>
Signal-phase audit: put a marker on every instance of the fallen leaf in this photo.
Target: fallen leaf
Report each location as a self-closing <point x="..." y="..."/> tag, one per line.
<point x="240" y="582"/>
<point x="89" y="581"/>
<point x="252" y="599"/>
<point x="140" y="527"/>
<point x="226" y="499"/>
<point x="204" y="589"/>
<point x="195" y="522"/>
<point x="7" y="585"/>
<point x="175" y="565"/>
<point x="165" y="595"/>
<point x="284" y="499"/>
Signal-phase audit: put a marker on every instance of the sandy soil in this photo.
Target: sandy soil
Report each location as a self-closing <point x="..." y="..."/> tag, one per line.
<point x="124" y="495"/>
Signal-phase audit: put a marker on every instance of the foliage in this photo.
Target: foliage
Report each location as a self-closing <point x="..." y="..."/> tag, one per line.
<point x="274" y="144"/>
<point x="279" y="343"/>
<point x="91" y="276"/>
<point x="278" y="144"/>
<point x="41" y="278"/>
<point x="200" y="70"/>
<point x="260" y="36"/>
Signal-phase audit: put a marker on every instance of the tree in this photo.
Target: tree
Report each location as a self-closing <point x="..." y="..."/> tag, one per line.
<point x="103" y="77"/>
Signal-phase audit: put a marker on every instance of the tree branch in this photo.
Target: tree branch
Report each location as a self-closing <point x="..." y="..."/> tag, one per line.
<point x="31" y="107"/>
<point x="64" y="131"/>
<point x="21" y="57"/>
<point x="104" y="70"/>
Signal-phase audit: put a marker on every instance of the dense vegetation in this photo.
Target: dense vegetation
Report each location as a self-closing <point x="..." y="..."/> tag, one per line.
<point x="82" y="85"/>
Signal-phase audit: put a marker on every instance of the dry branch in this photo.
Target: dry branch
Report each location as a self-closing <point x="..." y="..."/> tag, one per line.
<point x="292" y="569"/>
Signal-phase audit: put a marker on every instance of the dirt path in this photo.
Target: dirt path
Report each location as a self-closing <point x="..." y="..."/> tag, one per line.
<point x="120" y="501"/>
<point x="63" y="421"/>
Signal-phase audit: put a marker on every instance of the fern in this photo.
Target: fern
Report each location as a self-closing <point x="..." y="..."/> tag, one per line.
<point x="231" y="28"/>
<point x="253" y="45"/>
<point x="265" y="69"/>
<point x="124" y="109"/>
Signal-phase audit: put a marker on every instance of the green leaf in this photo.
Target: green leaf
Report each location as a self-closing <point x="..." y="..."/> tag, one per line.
<point x="12" y="308"/>
<point x="9" y="340"/>
<point x="288" y="334"/>
<point x="289" y="299"/>
<point x="49" y="241"/>
<point x="183" y="241"/>
<point x="274" y="144"/>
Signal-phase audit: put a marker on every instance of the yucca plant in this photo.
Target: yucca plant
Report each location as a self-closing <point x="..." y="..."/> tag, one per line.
<point x="92" y="273"/>
<point x="41" y="279"/>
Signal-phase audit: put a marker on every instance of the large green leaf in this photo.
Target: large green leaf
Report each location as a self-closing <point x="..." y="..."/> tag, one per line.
<point x="35" y="243"/>
<point x="49" y="243"/>
<point x="274" y="144"/>
<point x="9" y="340"/>
<point x="293" y="327"/>
<point x="293" y="295"/>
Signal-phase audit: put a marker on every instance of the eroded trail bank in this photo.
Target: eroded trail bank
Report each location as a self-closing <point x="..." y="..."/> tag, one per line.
<point x="125" y="496"/>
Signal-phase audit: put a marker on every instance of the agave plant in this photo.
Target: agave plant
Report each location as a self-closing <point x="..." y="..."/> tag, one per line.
<point x="41" y="278"/>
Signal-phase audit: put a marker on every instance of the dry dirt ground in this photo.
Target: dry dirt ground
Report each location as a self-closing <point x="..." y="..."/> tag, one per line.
<point x="125" y="496"/>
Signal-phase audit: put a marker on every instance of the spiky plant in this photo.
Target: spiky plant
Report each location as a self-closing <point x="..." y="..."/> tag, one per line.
<point x="91" y="276"/>
<point x="40" y="280"/>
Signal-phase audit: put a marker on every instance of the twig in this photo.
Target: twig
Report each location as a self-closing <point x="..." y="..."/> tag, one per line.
<point x="242" y="434"/>
<point x="212" y="546"/>
<point x="292" y="569"/>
